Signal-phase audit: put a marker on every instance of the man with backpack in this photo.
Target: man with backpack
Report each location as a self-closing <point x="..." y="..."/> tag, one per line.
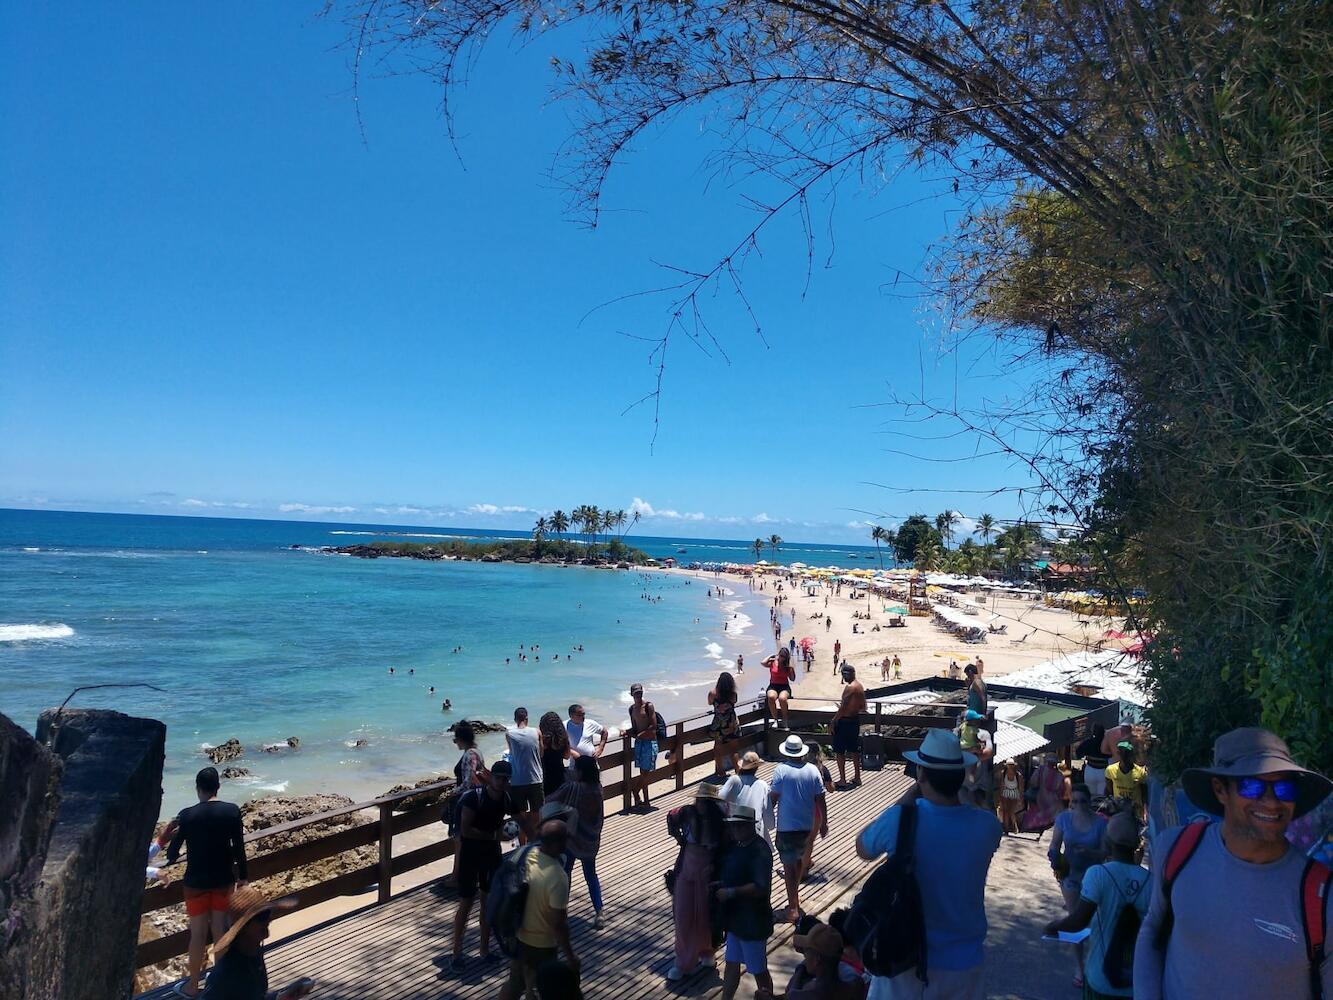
<point x="481" y="811"/>
<point x="1112" y="901"/>
<point x="543" y="931"/>
<point x="922" y="932"/>
<point x="1236" y="911"/>
<point x="647" y="732"/>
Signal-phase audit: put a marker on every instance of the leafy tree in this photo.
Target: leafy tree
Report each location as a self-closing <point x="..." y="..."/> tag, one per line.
<point x="910" y="535"/>
<point x="758" y="546"/>
<point x="775" y="543"/>
<point x="985" y="527"/>
<point x="1163" y="258"/>
<point x="559" y="523"/>
<point x="944" y="522"/>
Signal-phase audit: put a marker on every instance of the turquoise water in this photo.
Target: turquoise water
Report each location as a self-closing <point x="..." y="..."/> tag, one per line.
<point x="253" y="640"/>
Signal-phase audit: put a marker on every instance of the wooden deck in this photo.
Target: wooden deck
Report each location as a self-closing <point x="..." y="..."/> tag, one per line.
<point x="401" y="948"/>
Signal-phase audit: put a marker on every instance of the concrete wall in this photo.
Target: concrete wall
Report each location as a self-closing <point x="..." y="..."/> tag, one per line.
<point x="72" y="923"/>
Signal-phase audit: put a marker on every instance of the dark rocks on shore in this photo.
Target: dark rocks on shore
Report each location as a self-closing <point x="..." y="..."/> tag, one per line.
<point x="480" y="727"/>
<point x="235" y="772"/>
<point x="229" y="750"/>
<point x="424" y="799"/>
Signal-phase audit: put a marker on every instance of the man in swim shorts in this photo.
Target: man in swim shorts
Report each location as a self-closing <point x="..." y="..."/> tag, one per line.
<point x="846" y="726"/>
<point x="643" y="721"/>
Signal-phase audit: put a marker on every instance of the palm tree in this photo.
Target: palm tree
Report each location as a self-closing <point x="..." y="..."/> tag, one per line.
<point x="879" y="534"/>
<point x="928" y="555"/>
<point x="539" y="529"/>
<point x="944" y="523"/>
<point x="774" y="543"/>
<point x="559" y="522"/>
<point x="608" y="521"/>
<point x="594" y="522"/>
<point x="985" y="527"/>
<point x="758" y="546"/>
<point x="620" y="518"/>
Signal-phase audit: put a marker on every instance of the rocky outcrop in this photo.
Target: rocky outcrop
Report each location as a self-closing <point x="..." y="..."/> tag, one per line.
<point x="424" y="799"/>
<point x="71" y="932"/>
<point x="293" y="742"/>
<point x="225" y="752"/>
<point x="232" y="773"/>
<point x="480" y="727"/>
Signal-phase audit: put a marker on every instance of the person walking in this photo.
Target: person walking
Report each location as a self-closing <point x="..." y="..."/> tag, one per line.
<point x="587" y="738"/>
<point x="481" y="814"/>
<point x="746" y="883"/>
<point x="797" y="791"/>
<point x="1095" y="762"/>
<point x="780" y="675"/>
<point x="724" y="726"/>
<point x="643" y="722"/>
<point x="1234" y="905"/>
<point x="1129" y="780"/>
<point x="746" y="788"/>
<point x="977" y="699"/>
<point x="468" y="774"/>
<point x="1047" y="790"/>
<point x="698" y="829"/>
<point x="846" y="727"/>
<point x="837" y="655"/>
<point x="240" y="972"/>
<point x="952" y="851"/>
<point x="1076" y="845"/>
<point x="555" y="751"/>
<point x="897" y="667"/>
<point x="214" y="842"/>
<point x="525" y="755"/>
<point x="544" y="930"/>
<point x="1011" y="796"/>
<point x="582" y="792"/>
<point x="1107" y="890"/>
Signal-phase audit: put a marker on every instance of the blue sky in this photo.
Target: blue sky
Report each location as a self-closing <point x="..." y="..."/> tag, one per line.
<point x="216" y="298"/>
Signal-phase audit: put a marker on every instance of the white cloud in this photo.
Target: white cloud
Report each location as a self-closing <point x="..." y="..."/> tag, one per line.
<point x="491" y="509"/>
<point x="305" y="508"/>
<point x="644" y="509"/>
<point x="730" y="520"/>
<point x="762" y="518"/>
<point x="195" y="502"/>
<point x="192" y="502"/>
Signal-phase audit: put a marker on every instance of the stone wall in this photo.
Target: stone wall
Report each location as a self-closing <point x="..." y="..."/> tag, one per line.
<point x="70" y="933"/>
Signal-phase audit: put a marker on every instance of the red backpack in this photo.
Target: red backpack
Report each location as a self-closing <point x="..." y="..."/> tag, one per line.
<point x="1316" y="880"/>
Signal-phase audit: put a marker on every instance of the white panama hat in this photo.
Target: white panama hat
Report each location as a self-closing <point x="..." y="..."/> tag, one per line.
<point x="794" y="747"/>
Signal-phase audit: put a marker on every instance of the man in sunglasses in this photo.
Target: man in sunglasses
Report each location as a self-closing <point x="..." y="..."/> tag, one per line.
<point x="1235" y="907"/>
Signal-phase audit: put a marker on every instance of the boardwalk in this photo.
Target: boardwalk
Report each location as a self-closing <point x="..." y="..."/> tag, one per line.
<point x="401" y="948"/>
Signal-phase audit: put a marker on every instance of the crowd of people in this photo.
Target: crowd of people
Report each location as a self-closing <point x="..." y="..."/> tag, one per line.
<point x="1226" y="904"/>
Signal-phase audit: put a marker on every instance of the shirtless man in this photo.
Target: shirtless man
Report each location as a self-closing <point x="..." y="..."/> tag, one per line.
<point x="643" y="720"/>
<point x="846" y="725"/>
<point x="884" y="669"/>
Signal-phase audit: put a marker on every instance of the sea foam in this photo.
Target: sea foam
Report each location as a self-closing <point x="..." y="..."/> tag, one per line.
<point x="30" y="633"/>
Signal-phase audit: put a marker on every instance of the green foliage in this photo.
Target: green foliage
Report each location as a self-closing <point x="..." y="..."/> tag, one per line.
<point x="911" y="534"/>
<point x="506" y="549"/>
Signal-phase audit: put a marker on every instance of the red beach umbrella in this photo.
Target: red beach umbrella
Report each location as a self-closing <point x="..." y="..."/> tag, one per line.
<point x="808" y="643"/>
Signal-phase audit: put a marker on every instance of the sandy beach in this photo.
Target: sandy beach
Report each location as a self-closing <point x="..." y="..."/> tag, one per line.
<point x="1035" y="633"/>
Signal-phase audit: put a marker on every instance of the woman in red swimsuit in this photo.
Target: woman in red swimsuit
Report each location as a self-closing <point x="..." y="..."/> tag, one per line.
<point x="780" y="675"/>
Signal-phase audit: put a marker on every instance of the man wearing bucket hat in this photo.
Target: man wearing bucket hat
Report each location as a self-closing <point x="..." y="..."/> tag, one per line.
<point x="952" y="849"/>
<point x="240" y="973"/>
<point x="746" y="788"/>
<point x="798" y="788"/>
<point x="746" y="877"/>
<point x="1236" y="911"/>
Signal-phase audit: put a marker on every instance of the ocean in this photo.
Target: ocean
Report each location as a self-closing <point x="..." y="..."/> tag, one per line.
<point x="239" y="635"/>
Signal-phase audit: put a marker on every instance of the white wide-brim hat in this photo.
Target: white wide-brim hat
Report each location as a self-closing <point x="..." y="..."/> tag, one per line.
<point x="794" y="747"/>
<point x="940" y="751"/>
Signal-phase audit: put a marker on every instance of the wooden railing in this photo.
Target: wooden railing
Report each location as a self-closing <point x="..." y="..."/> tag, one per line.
<point x="392" y="820"/>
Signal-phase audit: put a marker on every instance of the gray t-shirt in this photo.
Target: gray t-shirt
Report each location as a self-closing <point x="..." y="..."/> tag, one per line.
<point x="1238" y="930"/>
<point x="525" y="756"/>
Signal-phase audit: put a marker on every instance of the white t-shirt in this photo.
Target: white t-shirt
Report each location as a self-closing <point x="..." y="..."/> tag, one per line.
<point x="584" y="736"/>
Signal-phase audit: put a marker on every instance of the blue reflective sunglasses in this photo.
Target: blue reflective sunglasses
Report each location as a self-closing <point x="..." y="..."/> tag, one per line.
<point x="1285" y="789"/>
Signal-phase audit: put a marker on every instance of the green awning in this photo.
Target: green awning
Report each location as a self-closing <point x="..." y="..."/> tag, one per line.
<point x="1042" y="715"/>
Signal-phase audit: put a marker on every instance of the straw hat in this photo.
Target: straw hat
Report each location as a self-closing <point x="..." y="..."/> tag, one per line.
<point x="822" y="940"/>
<point x="940" y="751"/>
<point x="1249" y="753"/>
<point x="750" y="762"/>
<point x="247" y="903"/>
<point x="707" y="790"/>
<point x="794" y="747"/>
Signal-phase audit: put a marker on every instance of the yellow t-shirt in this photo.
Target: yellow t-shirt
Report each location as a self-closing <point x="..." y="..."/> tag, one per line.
<point x="1127" y="785"/>
<point x="548" y="895"/>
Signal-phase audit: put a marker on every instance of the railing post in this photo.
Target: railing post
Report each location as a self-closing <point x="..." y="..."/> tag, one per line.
<point x="386" y="851"/>
<point x="680" y="755"/>
<point x="879" y="714"/>
<point x="626" y="776"/>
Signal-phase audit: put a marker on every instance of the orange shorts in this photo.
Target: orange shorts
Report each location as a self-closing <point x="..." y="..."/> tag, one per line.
<point x="201" y="901"/>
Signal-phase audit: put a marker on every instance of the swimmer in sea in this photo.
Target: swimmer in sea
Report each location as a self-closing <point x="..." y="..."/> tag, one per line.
<point x="391" y="670"/>
<point x="432" y="689"/>
<point x="411" y="670"/>
<point x="447" y="705"/>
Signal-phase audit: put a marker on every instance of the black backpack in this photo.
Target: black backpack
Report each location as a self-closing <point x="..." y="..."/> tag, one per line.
<point x="886" y="924"/>
<point x="508" y="898"/>
<point x="1118" y="962"/>
<point x="661" y="729"/>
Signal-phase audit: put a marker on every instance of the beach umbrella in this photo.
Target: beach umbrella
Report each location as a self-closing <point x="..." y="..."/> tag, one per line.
<point x="896" y="611"/>
<point x="808" y="643"/>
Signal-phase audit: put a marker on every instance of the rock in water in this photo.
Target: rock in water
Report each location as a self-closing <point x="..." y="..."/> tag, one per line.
<point x="293" y="742"/>
<point x="227" y="751"/>
<point x="480" y="727"/>
<point x="235" y="772"/>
